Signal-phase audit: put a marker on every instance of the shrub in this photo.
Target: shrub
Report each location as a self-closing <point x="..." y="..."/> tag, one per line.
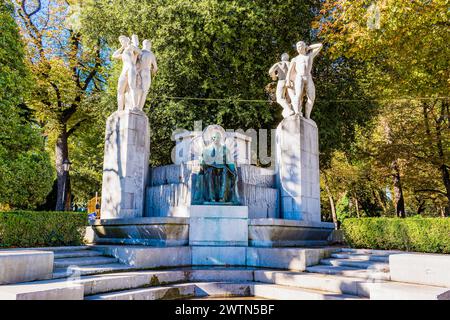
<point x="40" y="229"/>
<point x="410" y="234"/>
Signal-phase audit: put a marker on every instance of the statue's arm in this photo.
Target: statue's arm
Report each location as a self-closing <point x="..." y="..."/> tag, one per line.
<point x="154" y="65"/>
<point x="272" y="70"/>
<point x="315" y="49"/>
<point x="118" y="53"/>
<point x="288" y="75"/>
<point x="136" y="50"/>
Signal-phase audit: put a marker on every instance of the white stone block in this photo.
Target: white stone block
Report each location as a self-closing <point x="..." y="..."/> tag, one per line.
<point x="218" y="225"/>
<point x="406" y="291"/>
<point x="125" y="166"/>
<point x="218" y="256"/>
<point x="218" y="231"/>
<point x="149" y="257"/>
<point x="428" y="269"/>
<point x="43" y="290"/>
<point x="25" y="265"/>
<point x="297" y="163"/>
<point x="219" y="211"/>
<point x="286" y="258"/>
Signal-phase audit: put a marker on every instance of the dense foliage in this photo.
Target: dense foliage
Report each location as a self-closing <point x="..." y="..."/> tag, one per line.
<point x="400" y="162"/>
<point x="214" y="58"/>
<point x="66" y="75"/>
<point x="410" y="234"/>
<point x="25" y="171"/>
<point x="41" y="229"/>
<point x="382" y="82"/>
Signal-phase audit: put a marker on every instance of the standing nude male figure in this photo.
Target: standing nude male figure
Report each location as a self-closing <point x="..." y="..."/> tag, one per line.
<point x="283" y="94"/>
<point x="147" y="68"/>
<point x="300" y="73"/>
<point x="128" y="53"/>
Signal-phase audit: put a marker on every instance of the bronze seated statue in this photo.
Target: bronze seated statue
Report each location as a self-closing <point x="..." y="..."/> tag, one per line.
<point x="216" y="181"/>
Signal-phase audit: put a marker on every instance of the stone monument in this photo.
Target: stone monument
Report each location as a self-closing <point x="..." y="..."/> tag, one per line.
<point x="212" y="202"/>
<point x="127" y="138"/>
<point x="218" y="229"/>
<point x="297" y="162"/>
<point x="297" y="139"/>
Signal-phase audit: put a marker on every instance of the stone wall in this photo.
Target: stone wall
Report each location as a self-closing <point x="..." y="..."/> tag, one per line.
<point x="169" y="191"/>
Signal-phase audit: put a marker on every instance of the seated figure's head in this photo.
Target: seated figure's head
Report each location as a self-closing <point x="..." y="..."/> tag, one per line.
<point x="216" y="137"/>
<point x="285" y="57"/>
<point x="301" y="47"/>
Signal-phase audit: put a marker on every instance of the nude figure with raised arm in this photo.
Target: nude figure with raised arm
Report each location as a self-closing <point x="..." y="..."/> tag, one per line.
<point x="128" y="53"/>
<point x="299" y="77"/>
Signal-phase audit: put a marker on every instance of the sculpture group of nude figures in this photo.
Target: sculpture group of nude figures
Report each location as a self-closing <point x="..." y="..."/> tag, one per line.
<point x="138" y="67"/>
<point x="294" y="77"/>
<point x="295" y="80"/>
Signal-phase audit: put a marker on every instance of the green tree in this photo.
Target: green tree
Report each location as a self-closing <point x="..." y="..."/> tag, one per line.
<point x="210" y="49"/>
<point x="25" y="170"/>
<point x="206" y="50"/>
<point x="66" y="75"/>
<point x="403" y="48"/>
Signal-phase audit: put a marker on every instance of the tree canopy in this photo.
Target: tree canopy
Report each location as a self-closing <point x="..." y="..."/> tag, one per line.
<point x="25" y="171"/>
<point x="382" y="83"/>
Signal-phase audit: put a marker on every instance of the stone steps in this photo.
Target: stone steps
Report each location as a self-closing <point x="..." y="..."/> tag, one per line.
<point x="54" y="249"/>
<point x="132" y="280"/>
<point x="349" y="272"/>
<point x="373" y="289"/>
<point x="370" y="251"/>
<point x="186" y="283"/>
<point x="408" y="291"/>
<point x="76" y="254"/>
<point x="172" y="292"/>
<point x="354" y="263"/>
<point x="360" y="256"/>
<point x="83" y="261"/>
<point x="76" y="271"/>
<point x="315" y="281"/>
<point x="220" y="289"/>
<point x="278" y="292"/>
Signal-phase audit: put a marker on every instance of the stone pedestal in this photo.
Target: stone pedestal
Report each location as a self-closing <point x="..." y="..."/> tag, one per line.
<point x="218" y="225"/>
<point x="125" y="167"/>
<point x="218" y="234"/>
<point x="297" y="160"/>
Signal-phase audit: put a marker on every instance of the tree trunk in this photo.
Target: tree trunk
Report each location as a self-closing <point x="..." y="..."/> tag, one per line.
<point x="420" y="207"/>
<point x="63" y="181"/>
<point x="443" y="167"/>
<point x="381" y="202"/>
<point x="332" y="205"/>
<point x="446" y="179"/>
<point x="356" y="206"/>
<point x="442" y="209"/>
<point x="399" y="201"/>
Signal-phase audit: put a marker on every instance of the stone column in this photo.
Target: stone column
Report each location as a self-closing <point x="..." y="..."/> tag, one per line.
<point x="125" y="165"/>
<point x="297" y="161"/>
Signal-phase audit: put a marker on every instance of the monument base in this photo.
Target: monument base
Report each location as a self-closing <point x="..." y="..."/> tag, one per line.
<point x="158" y="232"/>
<point x="297" y="159"/>
<point x="218" y="256"/>
<point x="125" y="165"/>
<point x="218" y="225"/>
<point x="288" y="233"/>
